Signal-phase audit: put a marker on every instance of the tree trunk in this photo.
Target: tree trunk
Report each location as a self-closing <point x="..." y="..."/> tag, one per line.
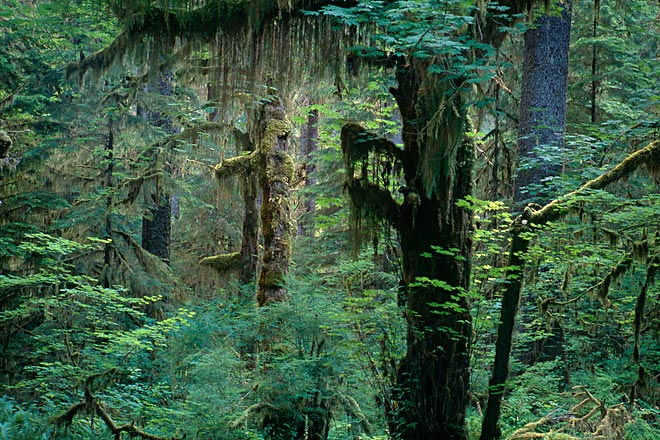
<point x="433" y="378"/>
<point x="542" y="126"/>
<point x="108" y="250"/>
<point x="310" y="138"/>
<point x="156" y="227"/>
<point x="157" y="224"/>
<point x="275" y="175"/>
<point x="250" y="239"/>
<point x="542" y="106"/>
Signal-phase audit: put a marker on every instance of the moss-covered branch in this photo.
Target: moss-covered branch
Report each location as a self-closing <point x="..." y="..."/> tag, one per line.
<point x="650" y="156"/>
<point x="198" y="24"/>
<point x="92" y="405"/>
<point x="357" y="143"/>
<point x="223" y="262"/>
<point x="239" y="165"/>
<point x="102" y="60"/>
<point x="372" y="199"/>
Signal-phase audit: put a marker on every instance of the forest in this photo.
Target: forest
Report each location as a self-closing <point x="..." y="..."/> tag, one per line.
<point x="329" y="219"/>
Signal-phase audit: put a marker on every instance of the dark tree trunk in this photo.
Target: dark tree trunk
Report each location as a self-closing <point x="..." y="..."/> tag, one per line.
<point x="430" y="397"/>
<point x="5" y="144"/>
<point x="519" y="245"/>
<point x="156" y="228"/>
<point x="310" y="140"/>
<point x="157" y="223"/>
<point x="250" y="239"/>
<point x="542" y="125"/>
<point x="275" y="175"/>
<point x="542" y="105"/>
<point x="108" y="250"/>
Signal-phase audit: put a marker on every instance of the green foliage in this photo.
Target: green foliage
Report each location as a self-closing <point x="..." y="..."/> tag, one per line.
<point x="70" y="335"/>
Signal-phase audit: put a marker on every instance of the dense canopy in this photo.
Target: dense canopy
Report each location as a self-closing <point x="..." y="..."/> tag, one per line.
<point x="328" y="220"/>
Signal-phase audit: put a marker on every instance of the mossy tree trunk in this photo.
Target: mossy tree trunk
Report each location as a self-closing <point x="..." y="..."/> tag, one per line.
<point x="431" y="393"/>
<point x="433" y="377"/>
<point x="275" y="176"/>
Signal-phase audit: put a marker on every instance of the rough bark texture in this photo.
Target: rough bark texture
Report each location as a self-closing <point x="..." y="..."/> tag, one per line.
<point x="543" y="122"/>
<point x="310" y="138"/>
<point x="157" y="224"/>
<point x="542" y="103"/>
<point x="156" y="228"/>
<point x="275" y="178"/>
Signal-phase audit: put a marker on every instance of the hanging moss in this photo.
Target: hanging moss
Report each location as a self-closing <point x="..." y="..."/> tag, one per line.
<point x="440" y="135"/>
<point x="357" y="144"/>
<point x="224" y="262"/>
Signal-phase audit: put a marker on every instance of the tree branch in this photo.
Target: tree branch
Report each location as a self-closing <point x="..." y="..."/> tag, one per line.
<point x="357" y="143"/>
<point x="237" y="165"/>
<point x="224" y="262"/>
<point x="228" y="16"/>
<point x="374" y="200"/>
<point x="90" y="404"/>
<point x="650" y="156"/>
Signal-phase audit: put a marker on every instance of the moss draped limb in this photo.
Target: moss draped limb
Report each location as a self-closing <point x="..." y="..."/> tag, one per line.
<point x="373" y="200"/>
<point x="197" y="24"/>
<point x="100" y="61"/>
<point x="357" y="143"/>
<point x="237" y="165"/>
<point x="650" y="156"/>
<point x="223" y="262"/>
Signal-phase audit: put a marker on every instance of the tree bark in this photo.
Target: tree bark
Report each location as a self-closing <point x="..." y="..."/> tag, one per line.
<point x="276" y="173"/>
<point x="542" y="126"/>
<point x="310" y="139"/>
<point x="542" y="105"/>
<point x="250" y="237"/>
<point x="431" y="392"/>
<point x="157" y="224"/>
